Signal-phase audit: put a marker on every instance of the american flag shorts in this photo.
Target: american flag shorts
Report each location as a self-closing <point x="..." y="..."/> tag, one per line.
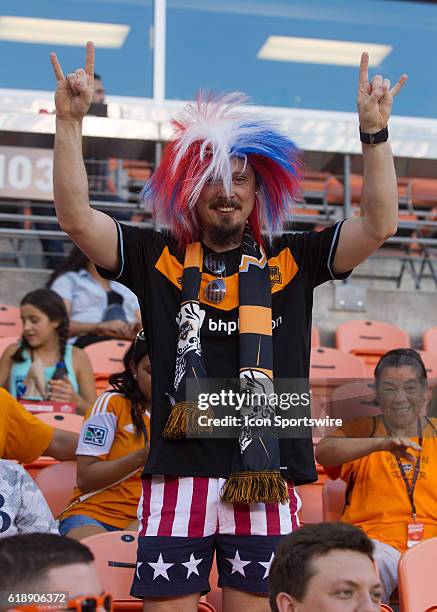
<point x="183" y="523"/>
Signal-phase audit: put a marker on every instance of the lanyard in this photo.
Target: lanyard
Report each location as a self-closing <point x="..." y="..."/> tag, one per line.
<point x="410" y="488"/>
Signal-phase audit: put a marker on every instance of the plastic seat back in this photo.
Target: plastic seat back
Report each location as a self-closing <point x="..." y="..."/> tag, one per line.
<point x="315" y="337"/>
<point x="57" y="483"/>
<point x="430" y="340"/>
<point x="333" y="498"/>
<point x="66" y="422"/>
<point x="115" y="558"/>
<point x="417" y="576"/>
<point x="10" y="320"/>
<point x="353" y="400"/>
<point x="370" y="337"/>
<point x="332" y="365"/>
<point x="107" y="356"/>
<point x="430" y="363"/>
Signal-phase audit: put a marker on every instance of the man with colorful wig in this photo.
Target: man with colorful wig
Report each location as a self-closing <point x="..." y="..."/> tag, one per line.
<point x="221" y="297"/>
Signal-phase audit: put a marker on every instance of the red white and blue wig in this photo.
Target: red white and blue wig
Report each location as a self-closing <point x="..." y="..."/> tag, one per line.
<point x="208" y="134"/>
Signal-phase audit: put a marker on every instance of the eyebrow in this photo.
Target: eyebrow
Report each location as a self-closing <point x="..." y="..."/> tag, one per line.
<point x="242" y="173"/>
<point x="377" y="585"/>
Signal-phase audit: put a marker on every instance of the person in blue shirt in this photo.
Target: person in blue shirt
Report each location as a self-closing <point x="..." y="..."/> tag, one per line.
<point x="99" y="309"/>
<point x="44" y="341"/>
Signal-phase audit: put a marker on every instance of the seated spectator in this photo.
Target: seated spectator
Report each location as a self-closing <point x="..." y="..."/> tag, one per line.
<point x="389" y="463"/>
<point x="108" y="473"/>
<point x="41" y="562"/>
<point x="325" y="567"/>
<point x="24" y="508"/>
<point x="98" y="309"/>
<point x="27" y="368"/>
<point x="24" y="438"/>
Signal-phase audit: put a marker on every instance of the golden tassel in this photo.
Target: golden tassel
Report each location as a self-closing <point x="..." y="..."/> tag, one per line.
<point x="255" y="487"/>
<point x="183" y="419"/>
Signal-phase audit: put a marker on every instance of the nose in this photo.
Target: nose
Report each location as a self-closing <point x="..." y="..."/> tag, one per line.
<point x="27" y="325"/>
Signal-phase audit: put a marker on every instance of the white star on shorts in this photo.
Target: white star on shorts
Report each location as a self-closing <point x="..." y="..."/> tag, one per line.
<point x="191" y="565"/>
<point x="238" y="564"/>
<point x="139" y="564"/>
<point x="160" y="568"/>
<point x="267" y="565"/>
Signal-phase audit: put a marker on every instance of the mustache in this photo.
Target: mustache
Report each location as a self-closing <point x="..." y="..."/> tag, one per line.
<point x="219" y="202"/>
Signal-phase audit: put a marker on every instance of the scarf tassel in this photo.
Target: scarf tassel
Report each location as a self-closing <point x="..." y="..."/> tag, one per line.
<point x="184" y="418"/>
<point x="255" y="487"/>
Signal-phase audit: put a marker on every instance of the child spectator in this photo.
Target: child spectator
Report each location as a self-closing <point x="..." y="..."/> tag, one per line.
<point x="32" y="362"/>
<point x="113" y="447"/>
<point x="23" y="508"/>
<point x="98" y="308"/>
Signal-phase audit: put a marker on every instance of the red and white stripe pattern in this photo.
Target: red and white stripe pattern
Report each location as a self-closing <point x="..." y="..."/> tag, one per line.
<point x="191" y="507"/>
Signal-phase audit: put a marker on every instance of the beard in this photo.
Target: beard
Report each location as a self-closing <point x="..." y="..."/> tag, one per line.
<point x="226" y="232"/>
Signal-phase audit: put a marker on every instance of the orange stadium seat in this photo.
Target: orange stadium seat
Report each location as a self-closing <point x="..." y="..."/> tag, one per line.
<point x="423" y="192"/>
<point x="67" y="422"/>
<point x="334" y="192"/>
<point x="315" y="337"/>
<point x="369" y="340"/>
<point x="10" y="320"/>
<point x="311" y="497"/>
<point x="429" y="340"/>
<point x="57" y="483"/>
<point x="430" y="363"/>
<point x="417" y="576"/>
<point x="6" y="341"/>
<point x="353" y="400"/>
<point x="107" y="356"/>
<point x="333" y="498"/>
<point x="115" y="557"/>
<point x="386" y="607"/>
<point x="333" y="364"/>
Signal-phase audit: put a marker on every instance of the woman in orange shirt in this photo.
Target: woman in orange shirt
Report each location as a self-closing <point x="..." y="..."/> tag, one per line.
<point x="113" y="447"/>
<point x="389" y="463"/>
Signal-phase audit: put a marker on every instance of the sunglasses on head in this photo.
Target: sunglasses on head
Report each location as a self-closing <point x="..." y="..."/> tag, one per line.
<point x="89" y="603"/>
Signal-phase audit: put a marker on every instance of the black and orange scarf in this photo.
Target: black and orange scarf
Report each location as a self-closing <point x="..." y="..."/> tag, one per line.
<point x="255" y="475"/>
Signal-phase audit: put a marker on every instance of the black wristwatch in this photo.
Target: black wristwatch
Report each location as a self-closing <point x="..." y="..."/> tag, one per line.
<point x="374" y="139"/>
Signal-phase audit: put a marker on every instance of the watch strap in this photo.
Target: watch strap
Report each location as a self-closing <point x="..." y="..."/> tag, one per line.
<point x="373" y="139"/>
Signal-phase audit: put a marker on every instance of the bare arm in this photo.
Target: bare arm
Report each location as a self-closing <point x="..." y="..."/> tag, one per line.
<point x="93" y="473"/>
<point x="361" y="236"/>
<point x="63" y="445"/>
<point x="93" y="231"/>
<point x="333" y="451"/>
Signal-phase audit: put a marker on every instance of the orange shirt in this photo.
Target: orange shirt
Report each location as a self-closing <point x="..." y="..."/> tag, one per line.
<point x="23" y="437"/>
<point x="108" y="433"/>
<point x="377" y="498"/>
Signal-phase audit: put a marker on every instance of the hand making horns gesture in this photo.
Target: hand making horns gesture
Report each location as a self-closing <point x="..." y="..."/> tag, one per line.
<point x="375" y="99"/>
<point x="74" y="93"/>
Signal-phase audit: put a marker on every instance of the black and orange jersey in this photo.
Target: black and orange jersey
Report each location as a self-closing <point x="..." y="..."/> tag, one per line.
<point x="152" y="267"/>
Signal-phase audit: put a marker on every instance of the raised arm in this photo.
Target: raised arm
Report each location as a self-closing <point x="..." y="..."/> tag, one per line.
<point x="361" y="236"/>
<point x="93" y="231"/>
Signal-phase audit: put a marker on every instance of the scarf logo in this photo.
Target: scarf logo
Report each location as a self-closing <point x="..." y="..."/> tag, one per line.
<point x="275" y="276"/>
<point x="189" y="320"/>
